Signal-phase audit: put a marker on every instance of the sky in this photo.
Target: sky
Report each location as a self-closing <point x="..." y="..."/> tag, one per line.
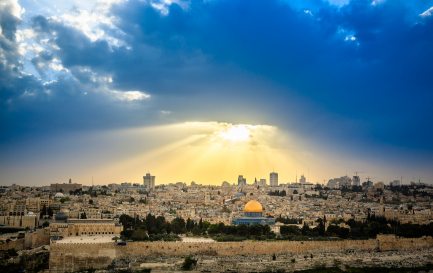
<point x="206" y="90"/>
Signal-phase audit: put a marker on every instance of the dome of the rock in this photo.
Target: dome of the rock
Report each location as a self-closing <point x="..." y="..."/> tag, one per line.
<point x="253" y="206"/>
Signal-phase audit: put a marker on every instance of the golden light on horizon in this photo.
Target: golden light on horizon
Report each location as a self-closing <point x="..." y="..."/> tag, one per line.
<point x="236" y="133"/>
<point x="205" y="152"/>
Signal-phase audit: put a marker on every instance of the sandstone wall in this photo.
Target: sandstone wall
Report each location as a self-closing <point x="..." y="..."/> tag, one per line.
<point x="73" y="257"/>
<point x="34" y="239"/>
<point x="17" y="244"/>
<point x="390" y="242"/>
<point x="38" y="238"/>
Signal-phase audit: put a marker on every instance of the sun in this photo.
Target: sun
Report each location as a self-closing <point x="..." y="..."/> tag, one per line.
<point x="236" y="133"/>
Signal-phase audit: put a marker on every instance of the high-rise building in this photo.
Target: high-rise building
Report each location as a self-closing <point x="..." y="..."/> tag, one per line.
<point x="149" y="181"/>
<point x="395" y="183"/>
<point x="356" y="181"/>
<point x="273" y="179"/>
<point x="302" y="180"/>
<point x="340" y="182"/>
<point x="242" y="181"/>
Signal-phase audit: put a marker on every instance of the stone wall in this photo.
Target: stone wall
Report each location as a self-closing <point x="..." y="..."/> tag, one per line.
<point x="17" y="244"/>
<point x="73" y="257"/>
<point x="31" y="240"/>
<point x="390" y="242"/>
<point x="38" y="238"/>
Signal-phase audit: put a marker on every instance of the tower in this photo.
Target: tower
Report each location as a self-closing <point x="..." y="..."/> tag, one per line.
<point x="302" y="180"/>
<point x="356" y="181"/>
<point x="273" y="179"/>
<point x="242" y="181"/>
<point x="149" y="181"/>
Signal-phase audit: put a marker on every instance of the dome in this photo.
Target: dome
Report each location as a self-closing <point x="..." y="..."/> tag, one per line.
<point x="61" y="216"/>
<point x="253" y="206"/>
<point x="59" y="195"/>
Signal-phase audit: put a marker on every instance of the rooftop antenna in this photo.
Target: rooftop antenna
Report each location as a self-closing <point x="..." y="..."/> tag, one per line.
<point x="358" y="172"/>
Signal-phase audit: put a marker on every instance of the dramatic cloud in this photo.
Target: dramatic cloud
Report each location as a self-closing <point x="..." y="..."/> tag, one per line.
<point x="349" y="74"/>
<point x="427" y="12"/>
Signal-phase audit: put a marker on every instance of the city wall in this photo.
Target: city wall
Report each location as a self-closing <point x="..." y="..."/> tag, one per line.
<point x="73" y="257"/>
<point x="33" y="239"/>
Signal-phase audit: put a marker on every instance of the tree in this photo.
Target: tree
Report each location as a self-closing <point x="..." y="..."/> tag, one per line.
<point x="290" y="230"/>
<point x="150" y="223"/>
<point x="12" y="252"/>
<point x="127" y="221"/>
<point x="189" y="263"/>
<point x="215" y="228"/>
<point x="305" y="229"/>
<point x="189" y="225"/>
<point x="340" y="232"/>
<point x="139" y="235"/>
<point x="200" y="223"/>
<point x="196" y="230"/>
<point x="43" y="211"/>
<point x="161" y="225"/>
<point x="178" y="225"/>
<point x="321" y="227"/>
<point x="50" y="212"/>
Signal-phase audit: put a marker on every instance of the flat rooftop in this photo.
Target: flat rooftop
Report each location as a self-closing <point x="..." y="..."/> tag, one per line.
<point x="90" y="221"/>
<point x="86" y="239"/>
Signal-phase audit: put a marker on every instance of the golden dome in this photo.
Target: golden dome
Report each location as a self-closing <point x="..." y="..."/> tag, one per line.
<point x="253" y="206"/>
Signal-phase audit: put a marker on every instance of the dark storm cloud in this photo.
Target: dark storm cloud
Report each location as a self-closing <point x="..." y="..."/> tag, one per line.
<point x="379" y="83"/>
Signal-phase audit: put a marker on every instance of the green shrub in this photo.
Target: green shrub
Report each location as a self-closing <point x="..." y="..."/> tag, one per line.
<point x="189" y="263"/>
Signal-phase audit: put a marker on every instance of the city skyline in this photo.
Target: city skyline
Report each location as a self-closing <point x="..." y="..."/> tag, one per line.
<point x="215" y="152"/>
<point x="216" y="136"/>
<point x="204" y="91"/>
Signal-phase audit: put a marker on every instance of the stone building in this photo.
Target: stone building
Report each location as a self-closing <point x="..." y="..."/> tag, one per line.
<point x="29" y="220"/>
<point x="64" y="227"/>
<point x="253" y="215"/>
<point x="65" y="187"/>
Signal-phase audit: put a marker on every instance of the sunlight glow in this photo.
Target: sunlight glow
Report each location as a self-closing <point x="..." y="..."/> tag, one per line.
<point x="205" y="152"/>
<point x="236" y="133"/>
